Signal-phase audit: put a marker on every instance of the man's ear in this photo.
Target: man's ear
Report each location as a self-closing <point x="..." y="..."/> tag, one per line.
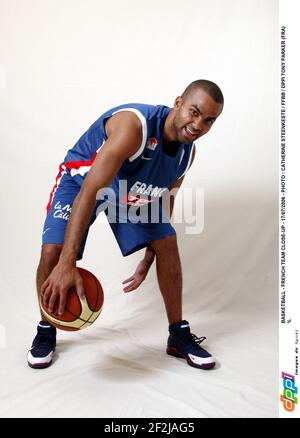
<point x="178" y="102"/>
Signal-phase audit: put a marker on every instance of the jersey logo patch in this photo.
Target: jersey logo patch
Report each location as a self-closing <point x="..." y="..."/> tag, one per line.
<point x="150" y="148"/>
<point x="152" y="143"/>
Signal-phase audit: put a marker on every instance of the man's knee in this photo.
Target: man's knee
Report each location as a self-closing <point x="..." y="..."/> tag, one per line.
<point x="165" y="245"/>
<point x="50" y="254"/>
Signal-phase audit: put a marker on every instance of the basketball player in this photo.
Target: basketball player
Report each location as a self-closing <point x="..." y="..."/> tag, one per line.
<point x="149" y="148"/>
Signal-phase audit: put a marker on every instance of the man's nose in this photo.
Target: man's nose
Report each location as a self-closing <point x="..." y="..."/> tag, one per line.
<point x="199" y="125"/>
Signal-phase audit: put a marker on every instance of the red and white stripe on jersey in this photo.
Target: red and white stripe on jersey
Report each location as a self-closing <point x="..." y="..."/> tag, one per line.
<point x="80" y="167"/>
<point x="62" y="171"/>
<point x="75" y="168"/>
<point x="189" y="161"/>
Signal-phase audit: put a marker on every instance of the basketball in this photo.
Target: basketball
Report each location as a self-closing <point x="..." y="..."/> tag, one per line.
<point x="79" y="314"/>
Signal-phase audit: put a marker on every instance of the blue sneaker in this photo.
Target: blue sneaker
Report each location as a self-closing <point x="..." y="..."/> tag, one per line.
<point x="183" y="343"/>
<point x="43" y="346"/>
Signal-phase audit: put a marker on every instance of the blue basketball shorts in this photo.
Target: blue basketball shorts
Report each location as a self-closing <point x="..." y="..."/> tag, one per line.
<point x="131" y="237"/>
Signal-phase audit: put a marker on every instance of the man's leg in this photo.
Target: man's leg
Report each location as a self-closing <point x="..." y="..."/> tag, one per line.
<point x="41" y="353"/>
<point x="181" y="342"/>
<point x="169" y="275"/>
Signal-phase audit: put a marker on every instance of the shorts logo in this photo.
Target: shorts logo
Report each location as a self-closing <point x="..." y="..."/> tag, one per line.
<point x="62" y="212"/>
<point x="152" y="143"/>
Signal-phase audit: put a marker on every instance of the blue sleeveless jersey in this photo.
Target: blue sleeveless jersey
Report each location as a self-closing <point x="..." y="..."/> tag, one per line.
<point x="149" y="172"/>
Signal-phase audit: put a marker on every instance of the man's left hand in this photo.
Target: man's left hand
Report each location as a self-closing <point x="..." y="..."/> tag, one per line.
<point x="138" y="277"/>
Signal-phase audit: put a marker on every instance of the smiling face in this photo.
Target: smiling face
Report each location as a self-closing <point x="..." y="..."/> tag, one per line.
<point x="194" y="115"/>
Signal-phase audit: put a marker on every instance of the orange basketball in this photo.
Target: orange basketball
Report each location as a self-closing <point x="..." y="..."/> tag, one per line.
<point x="79" y="314"/>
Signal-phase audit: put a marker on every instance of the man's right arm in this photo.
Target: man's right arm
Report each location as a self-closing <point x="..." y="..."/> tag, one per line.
<point x="125" y="137"/>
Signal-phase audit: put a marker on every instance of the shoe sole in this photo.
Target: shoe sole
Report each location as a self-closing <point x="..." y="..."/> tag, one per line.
<point x="174" y="352"/>
<point x="39" y="365"/>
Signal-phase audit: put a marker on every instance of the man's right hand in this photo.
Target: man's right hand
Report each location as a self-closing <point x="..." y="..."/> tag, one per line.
<point x="57" y="285"/>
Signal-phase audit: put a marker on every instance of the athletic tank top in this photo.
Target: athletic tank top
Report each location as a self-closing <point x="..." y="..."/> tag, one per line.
<point x="147" y="173"/>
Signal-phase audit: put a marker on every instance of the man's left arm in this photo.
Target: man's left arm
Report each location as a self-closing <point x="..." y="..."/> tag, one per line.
<point x="143" y="267"/>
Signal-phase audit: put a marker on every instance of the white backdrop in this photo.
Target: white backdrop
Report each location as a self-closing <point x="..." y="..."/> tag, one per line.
<point x="63" y="63"/>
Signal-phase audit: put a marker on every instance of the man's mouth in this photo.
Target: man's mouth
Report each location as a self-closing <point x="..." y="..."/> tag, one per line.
<point x="190" y="134"/>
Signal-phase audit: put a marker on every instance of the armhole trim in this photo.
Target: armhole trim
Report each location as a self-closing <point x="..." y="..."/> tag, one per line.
<point x="144" y="131"/>
<point x="189" y="162"/>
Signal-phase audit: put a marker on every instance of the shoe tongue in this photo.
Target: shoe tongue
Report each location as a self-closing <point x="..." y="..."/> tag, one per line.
<point x="180" y="327"/>
<point x="184" y="324"/>
<point x="45" y="326"/>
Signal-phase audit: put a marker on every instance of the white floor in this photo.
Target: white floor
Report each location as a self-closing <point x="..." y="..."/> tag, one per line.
<point x="120" y="369"/>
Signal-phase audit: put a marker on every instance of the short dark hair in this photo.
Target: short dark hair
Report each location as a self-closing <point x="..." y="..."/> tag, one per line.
<point x="210" y="87"/>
